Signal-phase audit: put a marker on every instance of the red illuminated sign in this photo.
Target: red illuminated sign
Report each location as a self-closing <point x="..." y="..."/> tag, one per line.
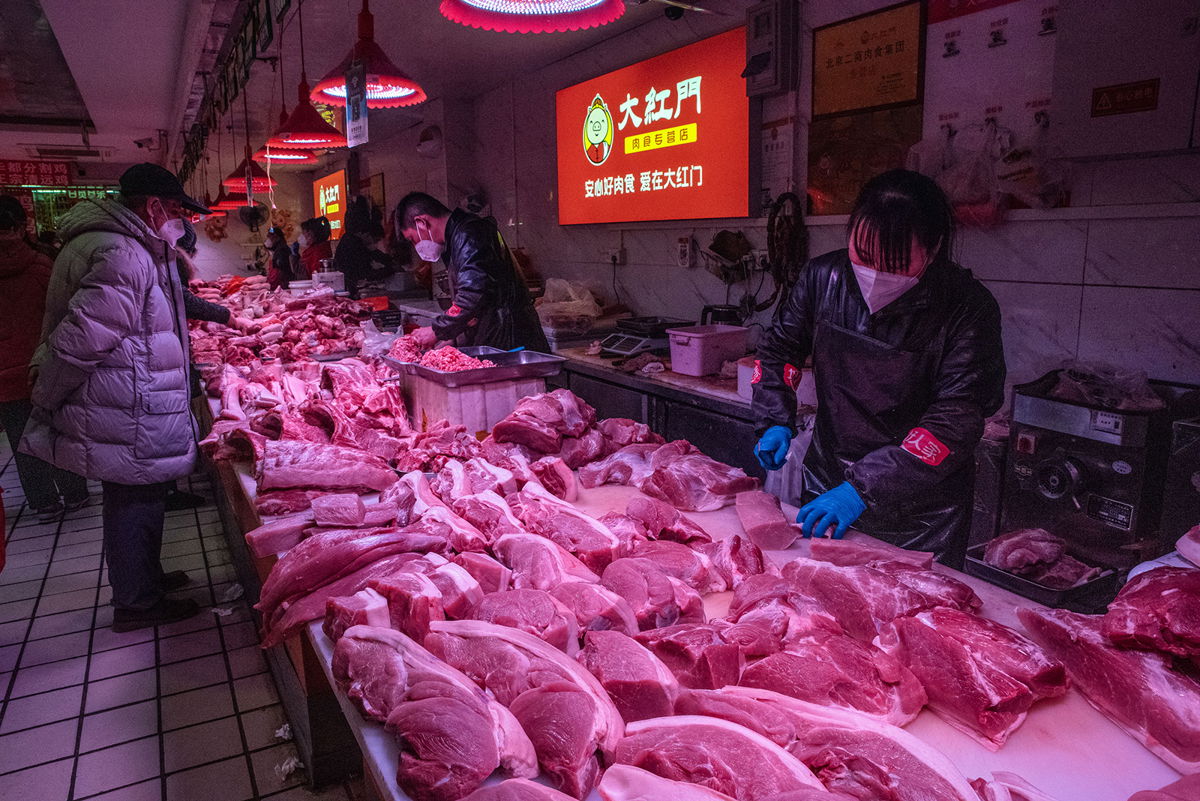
<point x="329" y="200"/>
<point x="19" y="172"/>
<point x="663" y="139"/>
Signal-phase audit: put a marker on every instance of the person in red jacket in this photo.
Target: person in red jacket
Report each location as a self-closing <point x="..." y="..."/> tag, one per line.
<point x="314" y="246"/>
<point x="24" y="276"/>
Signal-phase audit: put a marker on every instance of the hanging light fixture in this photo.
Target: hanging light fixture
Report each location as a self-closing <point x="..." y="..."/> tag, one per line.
<point x="533" y="16"/>
<point x="271" y="152"/>
<point x="225" y="202"/>
<point x="248" y="176"/>
<point x="305" y="128"/>
<point x="387" y="86"/>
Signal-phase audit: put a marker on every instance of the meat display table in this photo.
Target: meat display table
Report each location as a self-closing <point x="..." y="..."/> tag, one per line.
<point x="1065" y="747"/>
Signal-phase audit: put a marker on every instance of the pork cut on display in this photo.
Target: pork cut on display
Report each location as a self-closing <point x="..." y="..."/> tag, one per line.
<point x="850" y="752"/>
<point x="451" y="735"/>
<point x="981" y="677"/>
<point x="564" y="708"/>
<point x="661" y="521"/>
<point x="1137" y="690"/>
<point x="292" y="465"/>
<point x="540" y="422"/>
<point x="763" y="520"/>
<point x="364" y="608"/>
<point x="691" y="566"/>
<point x="640" y="685"/>
<point x="839" y="671"/>
<point x="657" y="598"/>
<point x="596" y="608"/>
<point x="857" y="549"/>
<point x="538" y="563"/>
<point x="556" y="520"/>
<point x="698" y="654"/>
<point x="1158" y="610"/>
<point x="517" y="790"/>
<point x="627" y="783"/>
<point x="714" y="753"/>
<point x="534" y="611"/>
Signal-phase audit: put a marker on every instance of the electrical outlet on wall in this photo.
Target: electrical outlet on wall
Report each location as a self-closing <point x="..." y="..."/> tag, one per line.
<point x="684" y="252"/>
<point x="616" y="256"/>
<point x="759" y="258"/>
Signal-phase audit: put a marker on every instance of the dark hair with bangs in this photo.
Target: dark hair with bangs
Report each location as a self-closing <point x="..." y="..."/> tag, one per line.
<point x="892" y="209"/>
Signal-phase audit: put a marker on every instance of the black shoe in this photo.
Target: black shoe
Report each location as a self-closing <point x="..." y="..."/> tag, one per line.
<point x="168" y="610"/>
<point x="175" y="580"/>
<point x="49" y="514"/>
<point x="178" y="501"/>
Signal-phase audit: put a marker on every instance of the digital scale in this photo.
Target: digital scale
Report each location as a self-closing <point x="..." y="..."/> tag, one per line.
<point x="640" y="334"/>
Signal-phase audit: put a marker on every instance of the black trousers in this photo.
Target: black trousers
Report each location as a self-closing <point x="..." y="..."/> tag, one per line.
<point x="134" y="516"/>
<point x="44" y="484"/>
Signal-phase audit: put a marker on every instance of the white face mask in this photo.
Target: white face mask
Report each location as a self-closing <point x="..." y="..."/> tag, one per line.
<point x="172" y="230"/>
<point x="878" y="288"/>
<point x="427" y="249"/>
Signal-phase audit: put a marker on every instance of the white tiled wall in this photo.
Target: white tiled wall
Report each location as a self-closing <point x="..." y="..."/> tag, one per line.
<point x="1120" y="285"/>
<point x="1070" y="284"/>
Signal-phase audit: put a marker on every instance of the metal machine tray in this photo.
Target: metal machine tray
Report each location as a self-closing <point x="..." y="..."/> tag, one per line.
<point x="1090" y="597"/>
<point x="650" y="326"/>
<point x="509" y="366"/>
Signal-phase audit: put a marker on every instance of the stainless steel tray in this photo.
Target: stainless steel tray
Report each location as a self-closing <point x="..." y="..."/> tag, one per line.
<point x="509" y="366"/>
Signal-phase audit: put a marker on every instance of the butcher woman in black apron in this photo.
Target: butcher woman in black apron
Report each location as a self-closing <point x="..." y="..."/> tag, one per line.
<point x="907" y="362"/>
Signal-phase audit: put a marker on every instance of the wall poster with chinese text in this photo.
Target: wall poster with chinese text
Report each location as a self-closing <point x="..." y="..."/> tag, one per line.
<point x="867" y="62"/>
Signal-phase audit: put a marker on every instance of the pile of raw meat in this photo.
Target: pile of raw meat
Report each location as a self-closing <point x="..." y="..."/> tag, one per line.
<point x="1139" y="663"/>
<point x="447" y="359"/>
<point x="490" y="625"/>
<point x="1039" y="556"/>
<point x="288" y="328"/>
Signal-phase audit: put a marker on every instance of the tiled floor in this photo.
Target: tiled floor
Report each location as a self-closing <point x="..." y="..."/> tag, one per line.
<point x="185" y="712"/>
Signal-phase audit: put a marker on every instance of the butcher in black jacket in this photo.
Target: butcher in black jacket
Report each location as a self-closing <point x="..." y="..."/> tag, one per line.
<point x="908" y="363"/>
<point x="491" y="305"/>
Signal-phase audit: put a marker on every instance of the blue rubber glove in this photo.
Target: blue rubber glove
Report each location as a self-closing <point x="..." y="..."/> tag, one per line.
<point x="838" y="507"/>
<point x="772" y="448"/>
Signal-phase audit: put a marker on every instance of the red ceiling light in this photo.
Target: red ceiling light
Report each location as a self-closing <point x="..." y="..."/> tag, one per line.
<point x="272" y="152"/>
<point x="259" y="180"/>
<point x="387" y="86"/>
<point x="280" y="156"/>
<point x="305" y="128"/>
<point x="533" y="16"/>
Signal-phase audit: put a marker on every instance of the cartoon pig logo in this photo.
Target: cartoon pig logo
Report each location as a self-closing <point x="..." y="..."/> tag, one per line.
<point x="597" y="132"/>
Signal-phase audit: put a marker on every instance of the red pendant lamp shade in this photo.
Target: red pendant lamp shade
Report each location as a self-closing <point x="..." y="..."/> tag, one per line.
<point x="306" y="129"/>
<point x="279" y="155"/>
<point x="387" y="86"/>
<point x="260" y="181"/>
<point x="229" y="201"/>
<point x="533" y="16"/>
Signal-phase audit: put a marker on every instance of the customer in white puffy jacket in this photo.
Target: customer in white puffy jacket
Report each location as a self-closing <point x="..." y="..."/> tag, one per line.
<point x="111" y="396"/>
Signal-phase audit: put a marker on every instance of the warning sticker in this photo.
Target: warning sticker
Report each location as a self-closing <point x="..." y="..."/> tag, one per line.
<point x="454" y="310"/>
<point x="925" y="446"/>
<point x="1125" y="98"/>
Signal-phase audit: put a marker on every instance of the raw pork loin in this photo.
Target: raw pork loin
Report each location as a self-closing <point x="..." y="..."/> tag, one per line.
<point x="556" y="520"/>
<point x="538" y="563"/>
<point x="661" y="521"/>
<point x="763" y="520"/>
<point x="838" y="671"/>
<point x="981" y="677"/>
<point x="627" y="783"/>
<point x="657" y="598"/>
<point x="698" y="654"/>
<point x="539" y="422"/>
<point x="517" y="790"/>
<point x="338" y="510"/>
<point x="859" y="549"/>
<point x="564" y="707"/>
<point x="1158" y="610"/>
<point x="640" y="685"/>
<point x="534" y="611"/>
<point x="596" y="608"/>
<point x="849" y="752"/>
<point x="288" y="465"/>
<point x="714" y="753"/>
<point x="451" y="735"/>
<point x="363" y="608"/>
<point x="1138" y="690"/>
<point x="689" y="480"/>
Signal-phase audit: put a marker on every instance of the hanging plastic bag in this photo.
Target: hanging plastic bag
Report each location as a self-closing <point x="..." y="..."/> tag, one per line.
<point x="1106" y="386"/>
<point x="567" y="307"/>
<point x="375" y="342"/>
<point x="970" y="180"/>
